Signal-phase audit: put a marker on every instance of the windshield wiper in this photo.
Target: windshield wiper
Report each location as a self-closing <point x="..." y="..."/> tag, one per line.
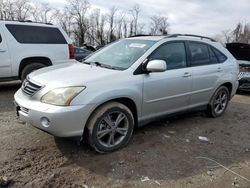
<point x="98" y="64"/>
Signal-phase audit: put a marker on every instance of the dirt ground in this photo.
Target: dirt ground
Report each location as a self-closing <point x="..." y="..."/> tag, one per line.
<point x="162" y="154"/>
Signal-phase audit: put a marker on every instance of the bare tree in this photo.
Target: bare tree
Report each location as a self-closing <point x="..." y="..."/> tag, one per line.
<point x="22" y="9"/>
<point x="120" y="21"/>
<point x="64" y="19"/>
<point x="135" y="11"/>
<point x="125" y="28"/>
<point x="97" y="25"/>
<point x="164" y="25"/>
<point x="241" y="33"/>
<point x="227" y="35"/>
<point x="8" y="12"/>
<point x="84" y="24"/>
<point x="141" y="28"/>
<point x="111" y="20"/>
<point x="237" y="31"/>
<point x="43" y="12"/>
<point x="159" y="25"/>
<point x="2" y="5"/>
<point x="78" y="9"/>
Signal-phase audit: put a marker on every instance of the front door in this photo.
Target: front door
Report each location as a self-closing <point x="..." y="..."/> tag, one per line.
<point x="169" y="91"/>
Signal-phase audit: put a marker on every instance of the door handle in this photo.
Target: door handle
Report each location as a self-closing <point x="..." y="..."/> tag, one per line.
<point x="186" y="75"/>
<point x="2" y="50"/>
<point x="219" y="69"/>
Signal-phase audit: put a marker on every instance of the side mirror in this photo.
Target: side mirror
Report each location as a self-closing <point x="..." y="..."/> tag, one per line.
<point x="156" y="66"/>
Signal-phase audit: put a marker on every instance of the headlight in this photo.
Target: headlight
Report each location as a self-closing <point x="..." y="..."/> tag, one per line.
<point x="61" y="96"/>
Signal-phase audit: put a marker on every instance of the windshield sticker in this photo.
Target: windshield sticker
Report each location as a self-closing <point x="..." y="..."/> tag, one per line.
<point x="137" y="45"/>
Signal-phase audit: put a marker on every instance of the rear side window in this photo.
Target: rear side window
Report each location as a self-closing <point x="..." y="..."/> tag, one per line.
<point x="213" y="57"/>
<point x="36" y="34"/>
<point x="0" y="38"/>
<point x="220" y="56"/>
<point x="199" y="54"/>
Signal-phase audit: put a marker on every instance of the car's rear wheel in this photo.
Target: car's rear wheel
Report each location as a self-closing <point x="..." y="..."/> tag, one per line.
<point x="110" y="127"/>
<point x="219" y="102"/>
<point x="30" y="68"/>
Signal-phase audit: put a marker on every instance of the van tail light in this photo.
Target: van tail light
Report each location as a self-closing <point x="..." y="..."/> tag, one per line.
<point x="71" y="51"/>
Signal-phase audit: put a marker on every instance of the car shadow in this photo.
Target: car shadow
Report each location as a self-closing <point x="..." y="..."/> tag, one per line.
<point x="7" y="91"/>
<point x="168" y="149"/>
<point x="10" y="86"/>
<point x="243" y="92"/>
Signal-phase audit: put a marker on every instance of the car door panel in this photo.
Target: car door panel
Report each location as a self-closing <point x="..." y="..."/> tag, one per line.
<point x="206" y="72"/>
<point x="5" y="64"/>
<point x="168" y="91"/>
<point x="205" y="79"/>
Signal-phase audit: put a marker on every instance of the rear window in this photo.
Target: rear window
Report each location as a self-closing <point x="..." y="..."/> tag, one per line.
<point x="213" y="57"/>
<point x="220" y="56"/>
<point x="36" y="34"/>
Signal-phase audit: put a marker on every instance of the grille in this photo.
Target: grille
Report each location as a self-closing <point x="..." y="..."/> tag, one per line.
<point x="30" y="88"/>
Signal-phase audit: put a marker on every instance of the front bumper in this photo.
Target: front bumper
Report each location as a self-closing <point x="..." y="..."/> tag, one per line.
<point x="244" y="84"/>
<point x="62" y="121"/>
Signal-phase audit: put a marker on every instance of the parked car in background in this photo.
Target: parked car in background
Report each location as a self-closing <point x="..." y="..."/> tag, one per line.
<point x="242" y="53"/>
<point x="28" y="46"/>
<point x="81" y="53"/>
<point x="129" y="83"/>
<point x="89" y="47"/>
<point x="99" y="47"/>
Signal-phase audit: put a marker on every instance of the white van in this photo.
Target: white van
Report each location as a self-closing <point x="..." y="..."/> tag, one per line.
<point x="28" y="46"/>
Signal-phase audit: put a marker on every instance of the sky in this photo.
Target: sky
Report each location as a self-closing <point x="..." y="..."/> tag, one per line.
<point x="204" y="17"/>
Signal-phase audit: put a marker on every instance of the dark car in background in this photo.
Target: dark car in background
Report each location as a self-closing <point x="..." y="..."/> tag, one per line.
<point x="81" y="54"/>
<point x="241" y="52"/>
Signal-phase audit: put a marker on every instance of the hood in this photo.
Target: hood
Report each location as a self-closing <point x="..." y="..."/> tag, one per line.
<point x="70" y="74"/>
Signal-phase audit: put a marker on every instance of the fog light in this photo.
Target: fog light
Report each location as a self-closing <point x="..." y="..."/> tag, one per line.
<point x="45" y="122"/>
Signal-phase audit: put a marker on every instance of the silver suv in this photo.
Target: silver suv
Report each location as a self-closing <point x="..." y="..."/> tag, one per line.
<point x="129" y="83"/>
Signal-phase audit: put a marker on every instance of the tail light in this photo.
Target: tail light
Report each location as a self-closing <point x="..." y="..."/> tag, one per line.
<point x="71" y="51"/>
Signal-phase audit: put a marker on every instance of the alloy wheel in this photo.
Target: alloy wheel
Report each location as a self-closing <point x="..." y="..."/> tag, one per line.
<point x="112" y="129"/>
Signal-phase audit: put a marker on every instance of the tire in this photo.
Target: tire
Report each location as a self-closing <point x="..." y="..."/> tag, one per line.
<point x="113" y="123"/>
<point x="30" y="68"/>
<point x="218" y="102"/>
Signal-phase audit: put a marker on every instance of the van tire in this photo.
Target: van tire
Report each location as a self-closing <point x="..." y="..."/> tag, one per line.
<point x="30" y="68"/>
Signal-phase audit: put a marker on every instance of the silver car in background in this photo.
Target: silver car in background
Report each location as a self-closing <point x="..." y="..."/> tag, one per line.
<point x="129" y="83"/>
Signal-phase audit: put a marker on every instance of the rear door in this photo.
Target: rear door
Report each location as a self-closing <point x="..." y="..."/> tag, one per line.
<point x="168" y="91"/>
<point x="5" y="64"/>
<point x="207" y="69"/>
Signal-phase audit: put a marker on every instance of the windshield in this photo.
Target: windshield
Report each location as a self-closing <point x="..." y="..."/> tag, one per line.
<point x="122" y="54"/>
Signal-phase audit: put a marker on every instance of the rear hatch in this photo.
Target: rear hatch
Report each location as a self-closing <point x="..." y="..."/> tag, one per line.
<point x="241" y="52"/>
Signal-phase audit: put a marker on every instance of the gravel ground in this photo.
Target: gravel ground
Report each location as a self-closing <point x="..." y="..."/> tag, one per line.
<point x="162" y="154"/>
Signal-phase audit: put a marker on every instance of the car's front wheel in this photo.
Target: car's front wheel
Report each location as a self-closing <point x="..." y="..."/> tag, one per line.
<point x="110" y="127"/>
<point x="219" y="102"/>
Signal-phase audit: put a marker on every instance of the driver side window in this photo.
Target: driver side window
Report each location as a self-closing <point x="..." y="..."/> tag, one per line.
<point x="173" y="54"/>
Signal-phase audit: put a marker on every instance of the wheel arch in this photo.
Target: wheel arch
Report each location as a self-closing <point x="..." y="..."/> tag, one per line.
<point x="43" y="60"/>
<point x="128" y="102"/>
<point x="229" y="86"/>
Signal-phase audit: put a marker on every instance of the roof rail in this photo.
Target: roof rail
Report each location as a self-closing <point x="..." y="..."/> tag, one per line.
<point x="140" y="35"/>
<point x="190" y="35"/>
<point x="25" y="21"/>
